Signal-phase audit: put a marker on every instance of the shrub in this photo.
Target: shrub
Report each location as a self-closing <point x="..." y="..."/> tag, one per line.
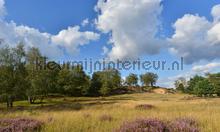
<point x="143" y="125"/>
<point x="183" y="125"/>
<point x="19" y="125"/>
<point x="155" y="125"/>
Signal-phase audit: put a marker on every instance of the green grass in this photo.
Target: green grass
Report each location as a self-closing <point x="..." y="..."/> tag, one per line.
<point x="83" y="113"/>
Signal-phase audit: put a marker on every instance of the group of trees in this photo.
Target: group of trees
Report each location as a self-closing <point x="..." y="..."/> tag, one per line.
<point x="20" y="78"/>
<point x="200" y="86"/>
<point x="147" y="79"/>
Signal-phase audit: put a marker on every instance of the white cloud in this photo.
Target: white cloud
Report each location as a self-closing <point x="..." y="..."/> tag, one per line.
<point x="214" y="34"/>
<point x="216" y="12"/>
<point x="196" y="38"/>
<point x="133" y="25"/>
<point x="66" y="41"/>
<point x="13" y="34"/>
<point x="85" y="22"/>
<point x="2" y="9"/>
<point x="72" y="38"/>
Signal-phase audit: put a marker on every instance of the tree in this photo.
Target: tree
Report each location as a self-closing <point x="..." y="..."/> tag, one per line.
<point x="180" y="84"/>
<point x="215" y="80"/>
<point x="12" y="73"/>
<point x="20" y="71"/>
<point x="96" y="84"/>
<point x="104" y="82"/>
<point x="35" y="75"/>
<point x="74" y="82"/>
<point x="149" y="79"/>
<point x="81" y="81"/>
<point x="105" y="89"/>
<point x="192" y="82"/>
<point x="204" y="88"/>
<point x="111" y="80"/>
<point x="132" y="80"/>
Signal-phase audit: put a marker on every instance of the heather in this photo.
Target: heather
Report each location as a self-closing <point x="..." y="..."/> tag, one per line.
<point x="157" y="125"/>
<point x="143" y="125"/>
<point x="20" y="125"/>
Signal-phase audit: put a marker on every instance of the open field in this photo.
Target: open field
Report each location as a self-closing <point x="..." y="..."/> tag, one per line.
<point x="83" y="114"/>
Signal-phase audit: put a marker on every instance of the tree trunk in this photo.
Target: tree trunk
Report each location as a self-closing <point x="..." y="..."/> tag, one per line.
<point x="9" y="102"/>
<point x="152" y="84"/>
<point x="30" y="99"/>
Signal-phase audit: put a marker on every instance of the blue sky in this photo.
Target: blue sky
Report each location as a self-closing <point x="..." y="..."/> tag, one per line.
<point x="54" y="16"/>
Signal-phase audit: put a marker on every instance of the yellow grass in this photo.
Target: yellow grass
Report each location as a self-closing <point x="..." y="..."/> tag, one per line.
<point x="63" y="118"/>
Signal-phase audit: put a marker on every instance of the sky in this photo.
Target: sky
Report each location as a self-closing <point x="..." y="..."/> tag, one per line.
<point x="153" y="30"/>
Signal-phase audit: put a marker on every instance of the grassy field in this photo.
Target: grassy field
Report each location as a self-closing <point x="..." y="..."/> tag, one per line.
<point x="83" y="114"/>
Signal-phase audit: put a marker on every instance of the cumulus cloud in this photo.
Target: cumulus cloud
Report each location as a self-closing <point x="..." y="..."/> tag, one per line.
<point x="72" y="38"/>
<point x="216" y="12"/>
<point x="14" y="34"/>
<point x="66" y="41"/>
<point x="196" y="38"/>
<point x="2" y="8"/>
<point x="133" y="25"/>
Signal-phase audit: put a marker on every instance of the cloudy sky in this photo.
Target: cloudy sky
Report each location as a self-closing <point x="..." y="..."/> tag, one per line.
<point x="119" y="29"/>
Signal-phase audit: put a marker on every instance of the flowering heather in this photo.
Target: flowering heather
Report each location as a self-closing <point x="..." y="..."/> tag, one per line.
<point x="155" y="125"/>
<point x="144" y="107"/>
<point x="143" y="125"/>
<point x="19" y="125"/>
<point x="106" y="118"/>
<point x="183" y="125"/>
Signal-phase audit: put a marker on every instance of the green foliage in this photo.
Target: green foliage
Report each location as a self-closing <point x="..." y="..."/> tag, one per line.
<point x="35" y="77"/>
<point x="149" y="79"/>
<point x="23" y="76"/>
<point x="73" y="82"/>
<point x="215" y="80"/>
<point x="204" y="88"/>
<point x="96" y="84"/>
<point x="12" y="73"/>
<point x="104" y="82"/>
<point x="192" y="83"/>
<point x="181" y="88"/>
<point x="181" y="84"/>
<point x="201" y="86"/>
<point x="132" y="80"/>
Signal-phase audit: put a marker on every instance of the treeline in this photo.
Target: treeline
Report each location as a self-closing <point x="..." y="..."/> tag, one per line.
<point x="207" y="86"/>
<point x="21" y="80"/>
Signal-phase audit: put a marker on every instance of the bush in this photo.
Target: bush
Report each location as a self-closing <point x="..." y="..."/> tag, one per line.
<point x="19" y="125"/>
<point x="155" y="125"/>
<point x="183" y="125"/>
<point x="143" y="125"/>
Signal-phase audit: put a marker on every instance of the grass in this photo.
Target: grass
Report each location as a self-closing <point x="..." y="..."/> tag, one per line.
<point x="83" y="113"/>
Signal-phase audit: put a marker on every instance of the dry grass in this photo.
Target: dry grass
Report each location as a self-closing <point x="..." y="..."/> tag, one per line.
<point x="83" y="114"/>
